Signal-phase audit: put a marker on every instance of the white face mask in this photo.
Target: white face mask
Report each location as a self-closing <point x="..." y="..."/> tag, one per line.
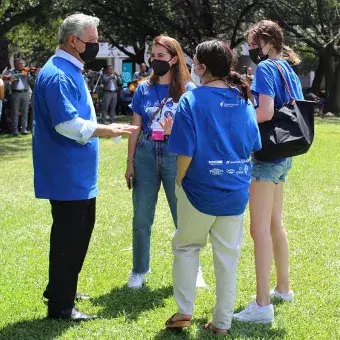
<point x="195" y="78"/>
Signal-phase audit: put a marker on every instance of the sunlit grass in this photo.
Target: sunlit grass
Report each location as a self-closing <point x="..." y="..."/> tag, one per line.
<point x="312" y="211"/>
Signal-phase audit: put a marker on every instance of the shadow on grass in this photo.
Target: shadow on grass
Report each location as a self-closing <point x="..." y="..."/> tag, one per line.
<point x="42" y="329"/>
<point x="13" y="147"/>
<point x="173" y="334"/>
<point x="131" y="302"/>
<point x="238" y="330"/>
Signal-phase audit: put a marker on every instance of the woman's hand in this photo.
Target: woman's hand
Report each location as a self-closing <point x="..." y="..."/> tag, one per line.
<point x="129" y="174"/>
<point x="167" y="125"/>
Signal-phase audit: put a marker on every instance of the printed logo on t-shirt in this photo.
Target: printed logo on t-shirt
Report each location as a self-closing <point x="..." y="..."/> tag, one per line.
<point x="168" y="109"/>
<point x="224" y="104"/>
<point x="215" y="162"/>
<point x="216" y="172"/>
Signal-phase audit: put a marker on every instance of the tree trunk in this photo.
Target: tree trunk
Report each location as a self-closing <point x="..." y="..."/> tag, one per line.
<point x="319" y="74"/>
<point x="329" y="74"/>
<point x="139" y="56"/>
<point x="4" y="61"/>
<point x="333" y="104"/>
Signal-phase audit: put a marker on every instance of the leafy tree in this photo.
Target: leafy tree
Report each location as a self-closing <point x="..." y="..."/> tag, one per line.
<point x="34" y="43"/>
<point x="317" y="24"/>
<point x="137" y="22"/>
<point x="14" y="13"/>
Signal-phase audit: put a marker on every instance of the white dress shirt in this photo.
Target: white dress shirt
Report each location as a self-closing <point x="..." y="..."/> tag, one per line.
<point x="20" y="85"/>
<point x="113" y="87"/>
<point x="78" y="129"/>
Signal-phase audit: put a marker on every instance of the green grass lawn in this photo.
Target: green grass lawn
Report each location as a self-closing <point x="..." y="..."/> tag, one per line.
<point x="312" y="214"/>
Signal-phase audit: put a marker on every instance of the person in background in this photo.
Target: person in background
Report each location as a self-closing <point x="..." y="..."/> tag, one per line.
<point x="265" y="40"/>
<point x="111" y="81"/>
<point x="142" y="73"/>
<point x="86" y="77"/>
<point x="65" y="159"/>
<point x="214" y="134"/>
<point x="5" y="113"/>
<point x="126" y="97"/>
<point x="149" y="163"/>
<point x="34" y="71"/>
<point x="20" y="96"/>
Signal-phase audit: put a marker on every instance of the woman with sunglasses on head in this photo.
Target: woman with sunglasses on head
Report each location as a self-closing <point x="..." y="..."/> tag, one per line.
<point x="149" y="162"/>
<point x="266" y="49"/>
<point x="214" y="133"/>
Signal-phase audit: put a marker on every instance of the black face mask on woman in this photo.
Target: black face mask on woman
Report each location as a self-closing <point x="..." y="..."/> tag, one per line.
<point x="91" y="51"/>
<point x="256" y="55"/>
<point x="160" y="67"/>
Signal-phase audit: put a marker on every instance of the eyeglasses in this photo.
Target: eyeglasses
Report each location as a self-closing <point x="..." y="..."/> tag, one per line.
<point x="81" y="40"/>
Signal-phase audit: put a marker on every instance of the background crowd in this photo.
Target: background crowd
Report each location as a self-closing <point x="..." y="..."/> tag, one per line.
<point x="110" y="97"/>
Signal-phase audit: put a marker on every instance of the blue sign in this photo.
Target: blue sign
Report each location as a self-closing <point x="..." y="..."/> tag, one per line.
<point x="127" y="72"/>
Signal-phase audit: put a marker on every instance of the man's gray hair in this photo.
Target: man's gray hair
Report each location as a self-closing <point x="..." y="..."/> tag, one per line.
<point x="76" y="24"/>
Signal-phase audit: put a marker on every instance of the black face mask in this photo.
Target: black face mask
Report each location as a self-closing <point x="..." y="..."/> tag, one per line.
<point x="160" y="67"/>
<point x="256" y="55"/>
<point x="91" y="51"/>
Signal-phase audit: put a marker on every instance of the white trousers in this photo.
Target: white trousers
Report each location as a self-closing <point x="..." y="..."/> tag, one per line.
<point x="226" y="233"/>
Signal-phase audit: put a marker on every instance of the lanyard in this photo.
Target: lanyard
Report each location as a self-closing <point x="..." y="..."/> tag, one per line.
<point x="161" y="105"/>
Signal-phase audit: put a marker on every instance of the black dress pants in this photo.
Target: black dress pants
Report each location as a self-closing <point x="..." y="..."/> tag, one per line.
<point x="73" y="222"/>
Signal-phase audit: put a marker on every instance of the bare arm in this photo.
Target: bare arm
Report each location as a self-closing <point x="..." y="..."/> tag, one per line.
<point x="183" y="163"/>
<point x="265" y="110"/>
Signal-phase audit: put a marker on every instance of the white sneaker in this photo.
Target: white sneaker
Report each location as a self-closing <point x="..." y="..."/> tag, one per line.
<point x="289" y="297"/>
<point x="255" y="313"/>
<point x="200" y="283"/>
<point x="136" y="281"/>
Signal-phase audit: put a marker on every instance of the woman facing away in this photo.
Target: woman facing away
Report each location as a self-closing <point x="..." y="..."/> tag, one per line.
<point x="265" y="40"/>
<point x="149" y="162"/>
<point x="214" y="133"/>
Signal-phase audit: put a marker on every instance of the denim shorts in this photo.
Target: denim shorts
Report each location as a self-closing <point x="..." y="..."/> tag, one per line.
<point x="271" y="171"/>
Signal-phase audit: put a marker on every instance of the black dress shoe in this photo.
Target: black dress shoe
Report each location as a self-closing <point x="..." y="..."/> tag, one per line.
<point x="72" y="314"/>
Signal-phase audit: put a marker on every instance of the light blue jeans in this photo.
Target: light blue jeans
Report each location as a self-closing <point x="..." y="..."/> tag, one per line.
<point x="153" y="165"/>
<point x="0" y="108"/>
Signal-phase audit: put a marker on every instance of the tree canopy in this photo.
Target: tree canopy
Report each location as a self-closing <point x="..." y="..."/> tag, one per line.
<point x="316" y="23"/>
<point x="314" y="26"/>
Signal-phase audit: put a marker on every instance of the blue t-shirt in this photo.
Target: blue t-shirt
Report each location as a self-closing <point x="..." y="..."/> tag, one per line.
<point x="218" y="129"/>
<point x="64" y="169"/>
<point x="268" y="81"/>
<point x="146" y="101"/>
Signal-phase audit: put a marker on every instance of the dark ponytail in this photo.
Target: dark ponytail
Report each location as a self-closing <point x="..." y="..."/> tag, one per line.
<point x="220" y="61"/>
<point x="241" y="83"/>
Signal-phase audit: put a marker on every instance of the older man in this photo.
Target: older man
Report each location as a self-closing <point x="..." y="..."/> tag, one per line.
<point x="65" y="157"/>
